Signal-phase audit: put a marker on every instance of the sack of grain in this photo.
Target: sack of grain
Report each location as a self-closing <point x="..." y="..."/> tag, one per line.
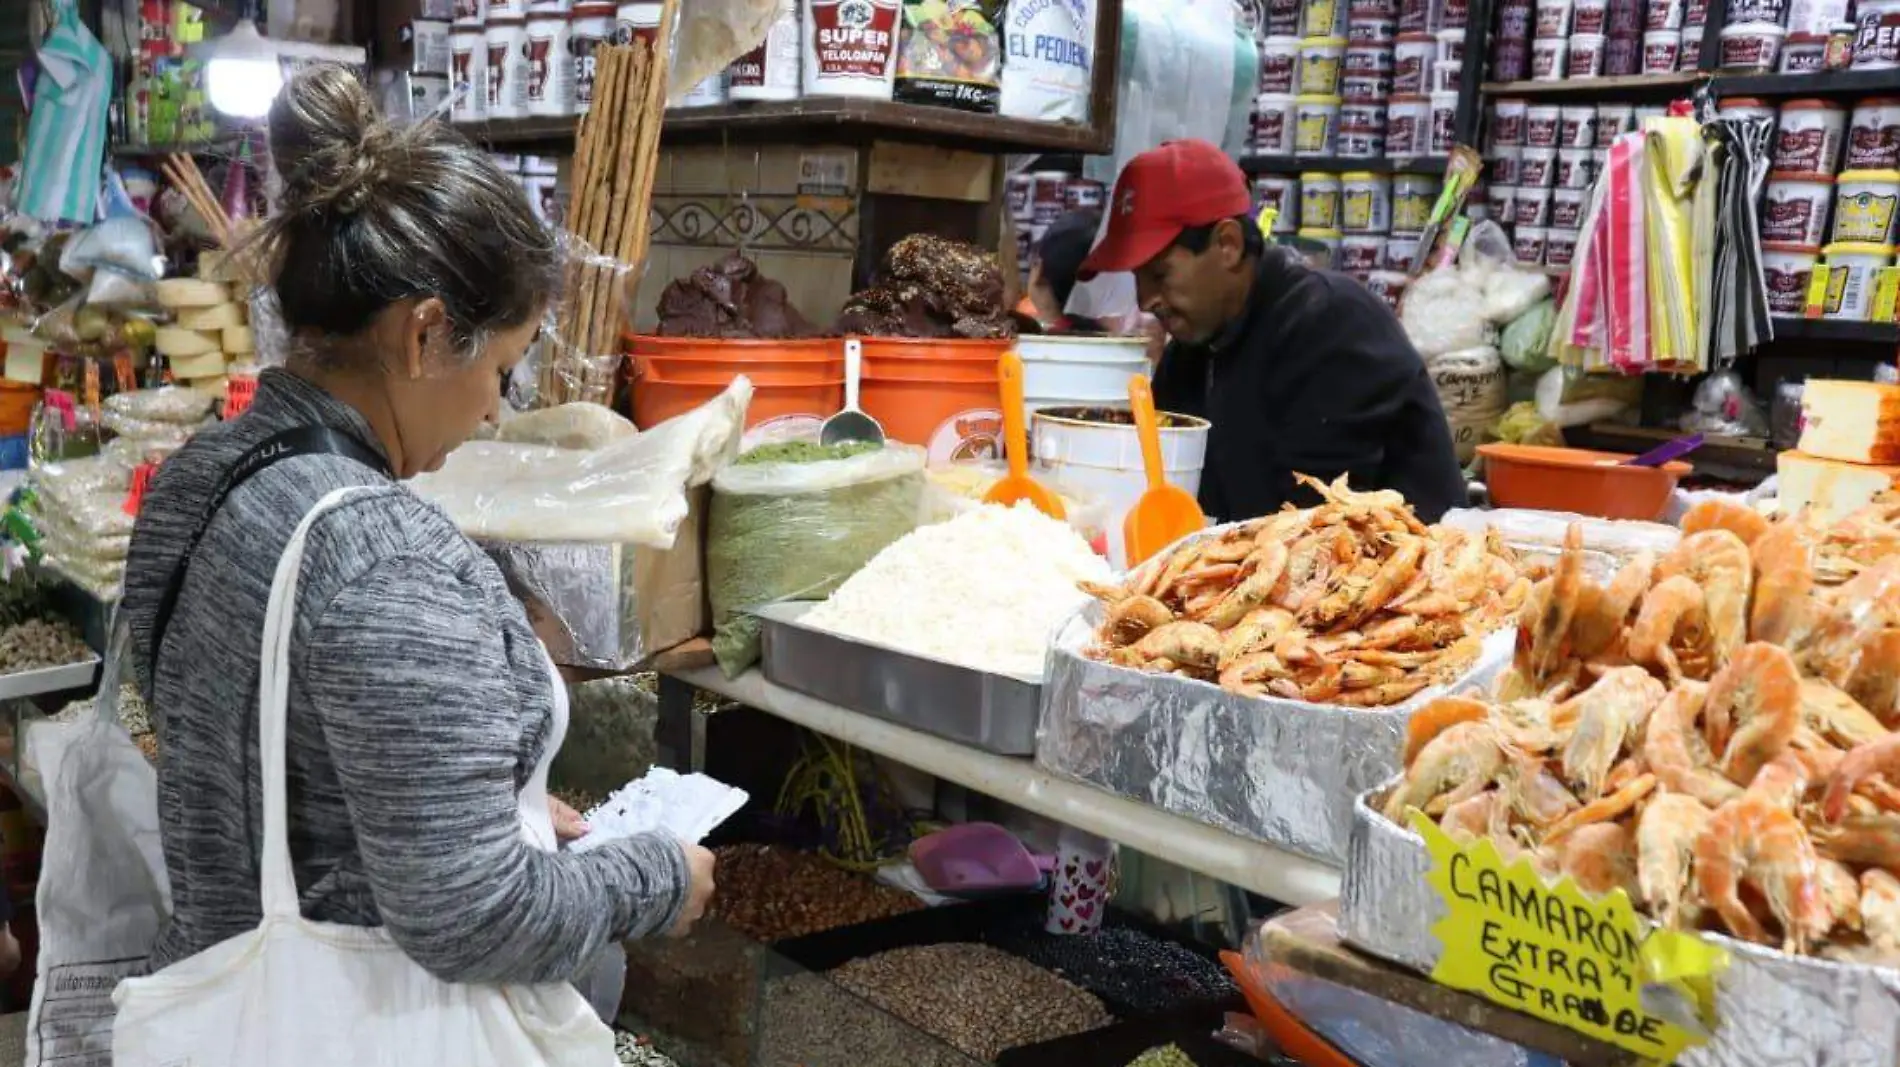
<point x="796" y="530"/>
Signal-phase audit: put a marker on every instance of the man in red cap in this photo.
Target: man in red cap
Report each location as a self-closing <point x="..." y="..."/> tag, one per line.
<point x="1299" y="370"/>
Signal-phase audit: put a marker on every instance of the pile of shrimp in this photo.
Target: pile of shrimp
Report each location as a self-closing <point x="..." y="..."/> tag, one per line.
<point x="1352" y="603"/>
<point x="1713" y="732"/>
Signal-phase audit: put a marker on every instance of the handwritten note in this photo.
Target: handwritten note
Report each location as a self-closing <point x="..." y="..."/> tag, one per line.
<point x="1548" y="951"/>
<point x="238" y="391"/>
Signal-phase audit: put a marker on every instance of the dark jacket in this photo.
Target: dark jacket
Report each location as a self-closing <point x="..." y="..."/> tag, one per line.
<point x="1316" y="377"/>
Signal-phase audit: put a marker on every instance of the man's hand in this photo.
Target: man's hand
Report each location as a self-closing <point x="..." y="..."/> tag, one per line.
<point x="1157" y="337"/>
<point x="568" y="824"/>
<point x="699" y="889"/>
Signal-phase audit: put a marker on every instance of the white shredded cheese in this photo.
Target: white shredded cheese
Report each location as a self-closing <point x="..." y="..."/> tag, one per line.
<point x="983" y="590"/>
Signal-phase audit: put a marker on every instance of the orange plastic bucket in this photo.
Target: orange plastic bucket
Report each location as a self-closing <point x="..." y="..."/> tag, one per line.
<point x="655" y="402"/>
<point x="953" y="420"/>
<point x="950" y="350"/>
<point x="737" y="350"/>
<point x="17" y="400"/>
<point x="925" y="370"/>
<point x="668" y="369"/>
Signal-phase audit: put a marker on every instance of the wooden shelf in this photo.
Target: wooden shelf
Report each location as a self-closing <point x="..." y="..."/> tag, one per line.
<point x="1719" y="456"/>
<point x="1630" y="87"/>
<point x="1335" y="165"/>
<point x="1873" y="333"/>
<point x="825" y="116"/>
<point x="1818" y="83"/>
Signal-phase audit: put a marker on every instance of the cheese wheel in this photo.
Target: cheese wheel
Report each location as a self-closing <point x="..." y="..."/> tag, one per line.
<point x="209" y="386"/>
<point x="1832" y="487"/>
<point x="216" y="265"/>
<point x="237" y="340"/>
<point x="215" y="317"/>
<point x="173" y="341"/>
<point x="191" y="293"/>
<point x="1858" y="422"/>
<point x="26" y="362"/>
<point x="202" y="365"/>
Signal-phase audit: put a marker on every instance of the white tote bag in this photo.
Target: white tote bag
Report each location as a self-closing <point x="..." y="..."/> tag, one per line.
<point x="296" y="993"/>
<point x="103" y="894"/>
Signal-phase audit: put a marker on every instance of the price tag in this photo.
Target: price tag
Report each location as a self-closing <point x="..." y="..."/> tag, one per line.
<point x="1548" y="951"/>
<point x="238" y="391"/>
<point x="141" y="481"/>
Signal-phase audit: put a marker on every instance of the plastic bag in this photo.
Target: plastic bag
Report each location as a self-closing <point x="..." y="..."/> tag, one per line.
<point x="576" y="425"/>
<point x="1539" y="535"/>
<point x="1565" y="399"/>
<point x="168" y="404"/>
<point x="1525" y="343"/>
<point x="950" y="54"/>
<point x="1470" y="386"/>
<point x="148" y="431"/>
<point x="1522" y="425"/>
<point x="121" y="244"/>
<point x="796" y="531"/>
<point x="631" y="492"/>
<point x="1723" y="405"/>
<point x="1443" y="312"/>
<point x="1050" y="70"/>
<point x="73" y="480"/>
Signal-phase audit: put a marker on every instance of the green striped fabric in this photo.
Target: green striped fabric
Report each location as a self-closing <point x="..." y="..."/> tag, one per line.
<point x="66" y="132"/>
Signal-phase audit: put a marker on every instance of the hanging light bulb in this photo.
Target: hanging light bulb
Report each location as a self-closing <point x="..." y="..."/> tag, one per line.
<point x="242" y="74"/>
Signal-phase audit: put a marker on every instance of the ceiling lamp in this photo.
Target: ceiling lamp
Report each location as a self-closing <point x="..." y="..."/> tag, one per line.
<point x="242" y="73"/>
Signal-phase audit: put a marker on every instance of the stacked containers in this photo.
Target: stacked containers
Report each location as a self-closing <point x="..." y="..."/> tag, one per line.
<point x="1551" y="40"/>
<point x="1036" y="200"/>
<point x="1544" y="159"/>
<point x="1365" y="79"/>
<point x="1791" y="36"/>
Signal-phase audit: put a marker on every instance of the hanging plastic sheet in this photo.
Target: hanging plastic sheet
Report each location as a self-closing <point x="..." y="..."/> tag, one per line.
<point x="1605" y="324"/>
<point x="1671" y="166"/>
<point x="1737" y="295"/>
<point x="1154" y="103"/>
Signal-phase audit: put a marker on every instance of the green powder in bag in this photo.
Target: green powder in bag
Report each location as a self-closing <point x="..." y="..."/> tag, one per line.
<point x="796" y="530"/>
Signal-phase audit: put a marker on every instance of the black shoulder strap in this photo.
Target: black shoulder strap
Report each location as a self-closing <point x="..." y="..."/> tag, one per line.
<point x="302" y="441"/>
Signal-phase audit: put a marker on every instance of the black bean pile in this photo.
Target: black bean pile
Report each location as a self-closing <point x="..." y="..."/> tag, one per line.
<point x="1142" y="974"/>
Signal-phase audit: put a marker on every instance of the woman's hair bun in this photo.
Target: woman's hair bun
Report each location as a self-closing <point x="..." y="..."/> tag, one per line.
<point x="330" y="144"/>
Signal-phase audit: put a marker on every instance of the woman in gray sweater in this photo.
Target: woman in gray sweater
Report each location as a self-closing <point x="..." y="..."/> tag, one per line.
<point x="412" y="276"/>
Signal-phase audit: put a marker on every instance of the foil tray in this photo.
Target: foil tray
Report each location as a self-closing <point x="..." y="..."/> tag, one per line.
<point x="1280" y="771"/>
<point x="1775" y="1010"/>
<point x="993" y="712"/>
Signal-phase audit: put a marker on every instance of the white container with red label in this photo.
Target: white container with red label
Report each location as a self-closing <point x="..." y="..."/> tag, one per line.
<point x="1560" y="247"/>
<point x="1794" y="208"/>
<point x="1447" y="75"/>
<point x="1663" y="15"/>
<point x="1576" y="168"/>
<point x="1590" y="16"/>
<point x="1372" y="31"/>
<point x="1273" y="124"/>
<point x="1542" y="125"/>
<point x="1408" y="125"/>
<point x="1548" y="56"/>
<point x="1279" y="64"/>
<point x="1577" y="127"/>
<point x="1873" y="135"/>
<point x="591" y="27"/>
<point x="1552" y="20"/>
<point x="506" y="43"/>
<point x="1803" y="53"/>
<point x="851" y="47"/>
<point x="1507" y="162"/>
<point x="1877" y="35"/>
<point x="1361" y="253"/>
<point x="1282" y="193"/>
<point x="770" y="71"/>
<point x="1444" y="131"/>
<point x="1539" y="168"/>
<point x="550" y="72"/>
<point x="1412" y="59"/>
<point x="1532" y="207"/>
<point x="1567" y="207"/>
<point x="1401" y="251"/>
<point x="1500" y="201"/>
<point x="1529" y="245"/>
<point x="1752" y="46"/>
<point x="1586" y="55"/>
<point x="1809" y="137"/>
<point x="505" y="9"/>
<point x="468" y="73"/>
<point x="1507" y="122"/>
<point x="1788" y="268"/>
<point x="1662" y="50"/>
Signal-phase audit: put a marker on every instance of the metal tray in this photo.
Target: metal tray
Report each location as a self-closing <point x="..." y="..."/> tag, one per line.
<point x="993" y="712"/>
<point x="67" y="676"/>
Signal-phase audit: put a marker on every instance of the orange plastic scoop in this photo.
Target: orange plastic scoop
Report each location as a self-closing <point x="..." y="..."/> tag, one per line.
<point x="1165" y="513"/>
<point x="1018" y="485"/>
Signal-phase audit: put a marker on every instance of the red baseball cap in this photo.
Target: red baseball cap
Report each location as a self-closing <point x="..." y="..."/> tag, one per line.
<point x="1160" y="193"/>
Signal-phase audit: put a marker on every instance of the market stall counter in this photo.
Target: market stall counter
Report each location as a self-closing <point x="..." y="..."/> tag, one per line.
<point x="1252" y="865"/>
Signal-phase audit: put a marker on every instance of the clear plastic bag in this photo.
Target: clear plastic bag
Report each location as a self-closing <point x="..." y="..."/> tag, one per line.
<point x="1539" y="535"/>
<point x="71" y="481"/>
<point x="630" y="492"/>
<point x="168" y="404"/>
<point x="1444" y="312"/>
<point x="796" y="531"/>
<point x="132" y="451"/>
<point x="577" y="425"/>
<point x="1723" y="405"/>
<point x="148" y="431"/>
<point x="1525" y="343"/>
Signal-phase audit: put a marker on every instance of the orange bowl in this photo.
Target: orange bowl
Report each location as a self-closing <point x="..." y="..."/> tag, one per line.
<point x="1576" y="479"/>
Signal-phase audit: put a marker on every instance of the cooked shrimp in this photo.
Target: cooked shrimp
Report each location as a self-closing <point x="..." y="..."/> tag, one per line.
<point x="1880" y="909"/>
<point x="1456" y="571"/>
<point x="1259" y="628"/>
<point x="1458" y="763"/>
<point x="1548" y="615"/>
<point x="1603" y="809"/>
<point x="1879" y="757"/>
<point x="1262" y="571"/>
<point x="1607" y="716"/>
<point x="1484" y="815"/>
<point x="1784" y="578"/>
<point x="1133" y="617"/>
<point x="1600" y="858"/>
<point x="1666" y="834"/>
<point x="1750" y="840"/>
<point x="1870" y="840"/>
<point x="1876" y="678"/>
<point x="1599" y="623"/>
<point x="1863" y="606"/>
<point x="1739" y="519"/>
<point x="1837" y="717"/>
<point x="1840" y="891"/>
<point x="1753" y="708"/>
<point x="1356" y="598"/>
<point x="1189" y="644"/>
<point x="1677" y="753"/>
<point x="1674" y="615"/>
<point x="1783" y="782"/>
<point x="1535" y="794"/>
<point x="1435" y="718"/>
<point x="1718" y="561"/>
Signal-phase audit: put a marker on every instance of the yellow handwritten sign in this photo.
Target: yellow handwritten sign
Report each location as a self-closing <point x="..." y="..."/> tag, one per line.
<point x="1548" y="951"/>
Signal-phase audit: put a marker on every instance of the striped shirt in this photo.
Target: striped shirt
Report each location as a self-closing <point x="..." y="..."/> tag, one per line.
<point x="66" y="133"/>
<point x="419" y="704"/>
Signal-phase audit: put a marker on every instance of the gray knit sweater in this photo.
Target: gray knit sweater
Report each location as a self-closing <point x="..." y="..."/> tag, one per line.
<point x="419" y="704"/>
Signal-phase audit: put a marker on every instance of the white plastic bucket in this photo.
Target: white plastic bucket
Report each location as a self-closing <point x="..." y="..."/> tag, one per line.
<point x="1103" y="461"/>
<point x="1080" y="370"/>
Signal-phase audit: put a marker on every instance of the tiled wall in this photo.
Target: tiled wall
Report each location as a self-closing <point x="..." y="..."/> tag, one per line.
<point x="793" y="209"/>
